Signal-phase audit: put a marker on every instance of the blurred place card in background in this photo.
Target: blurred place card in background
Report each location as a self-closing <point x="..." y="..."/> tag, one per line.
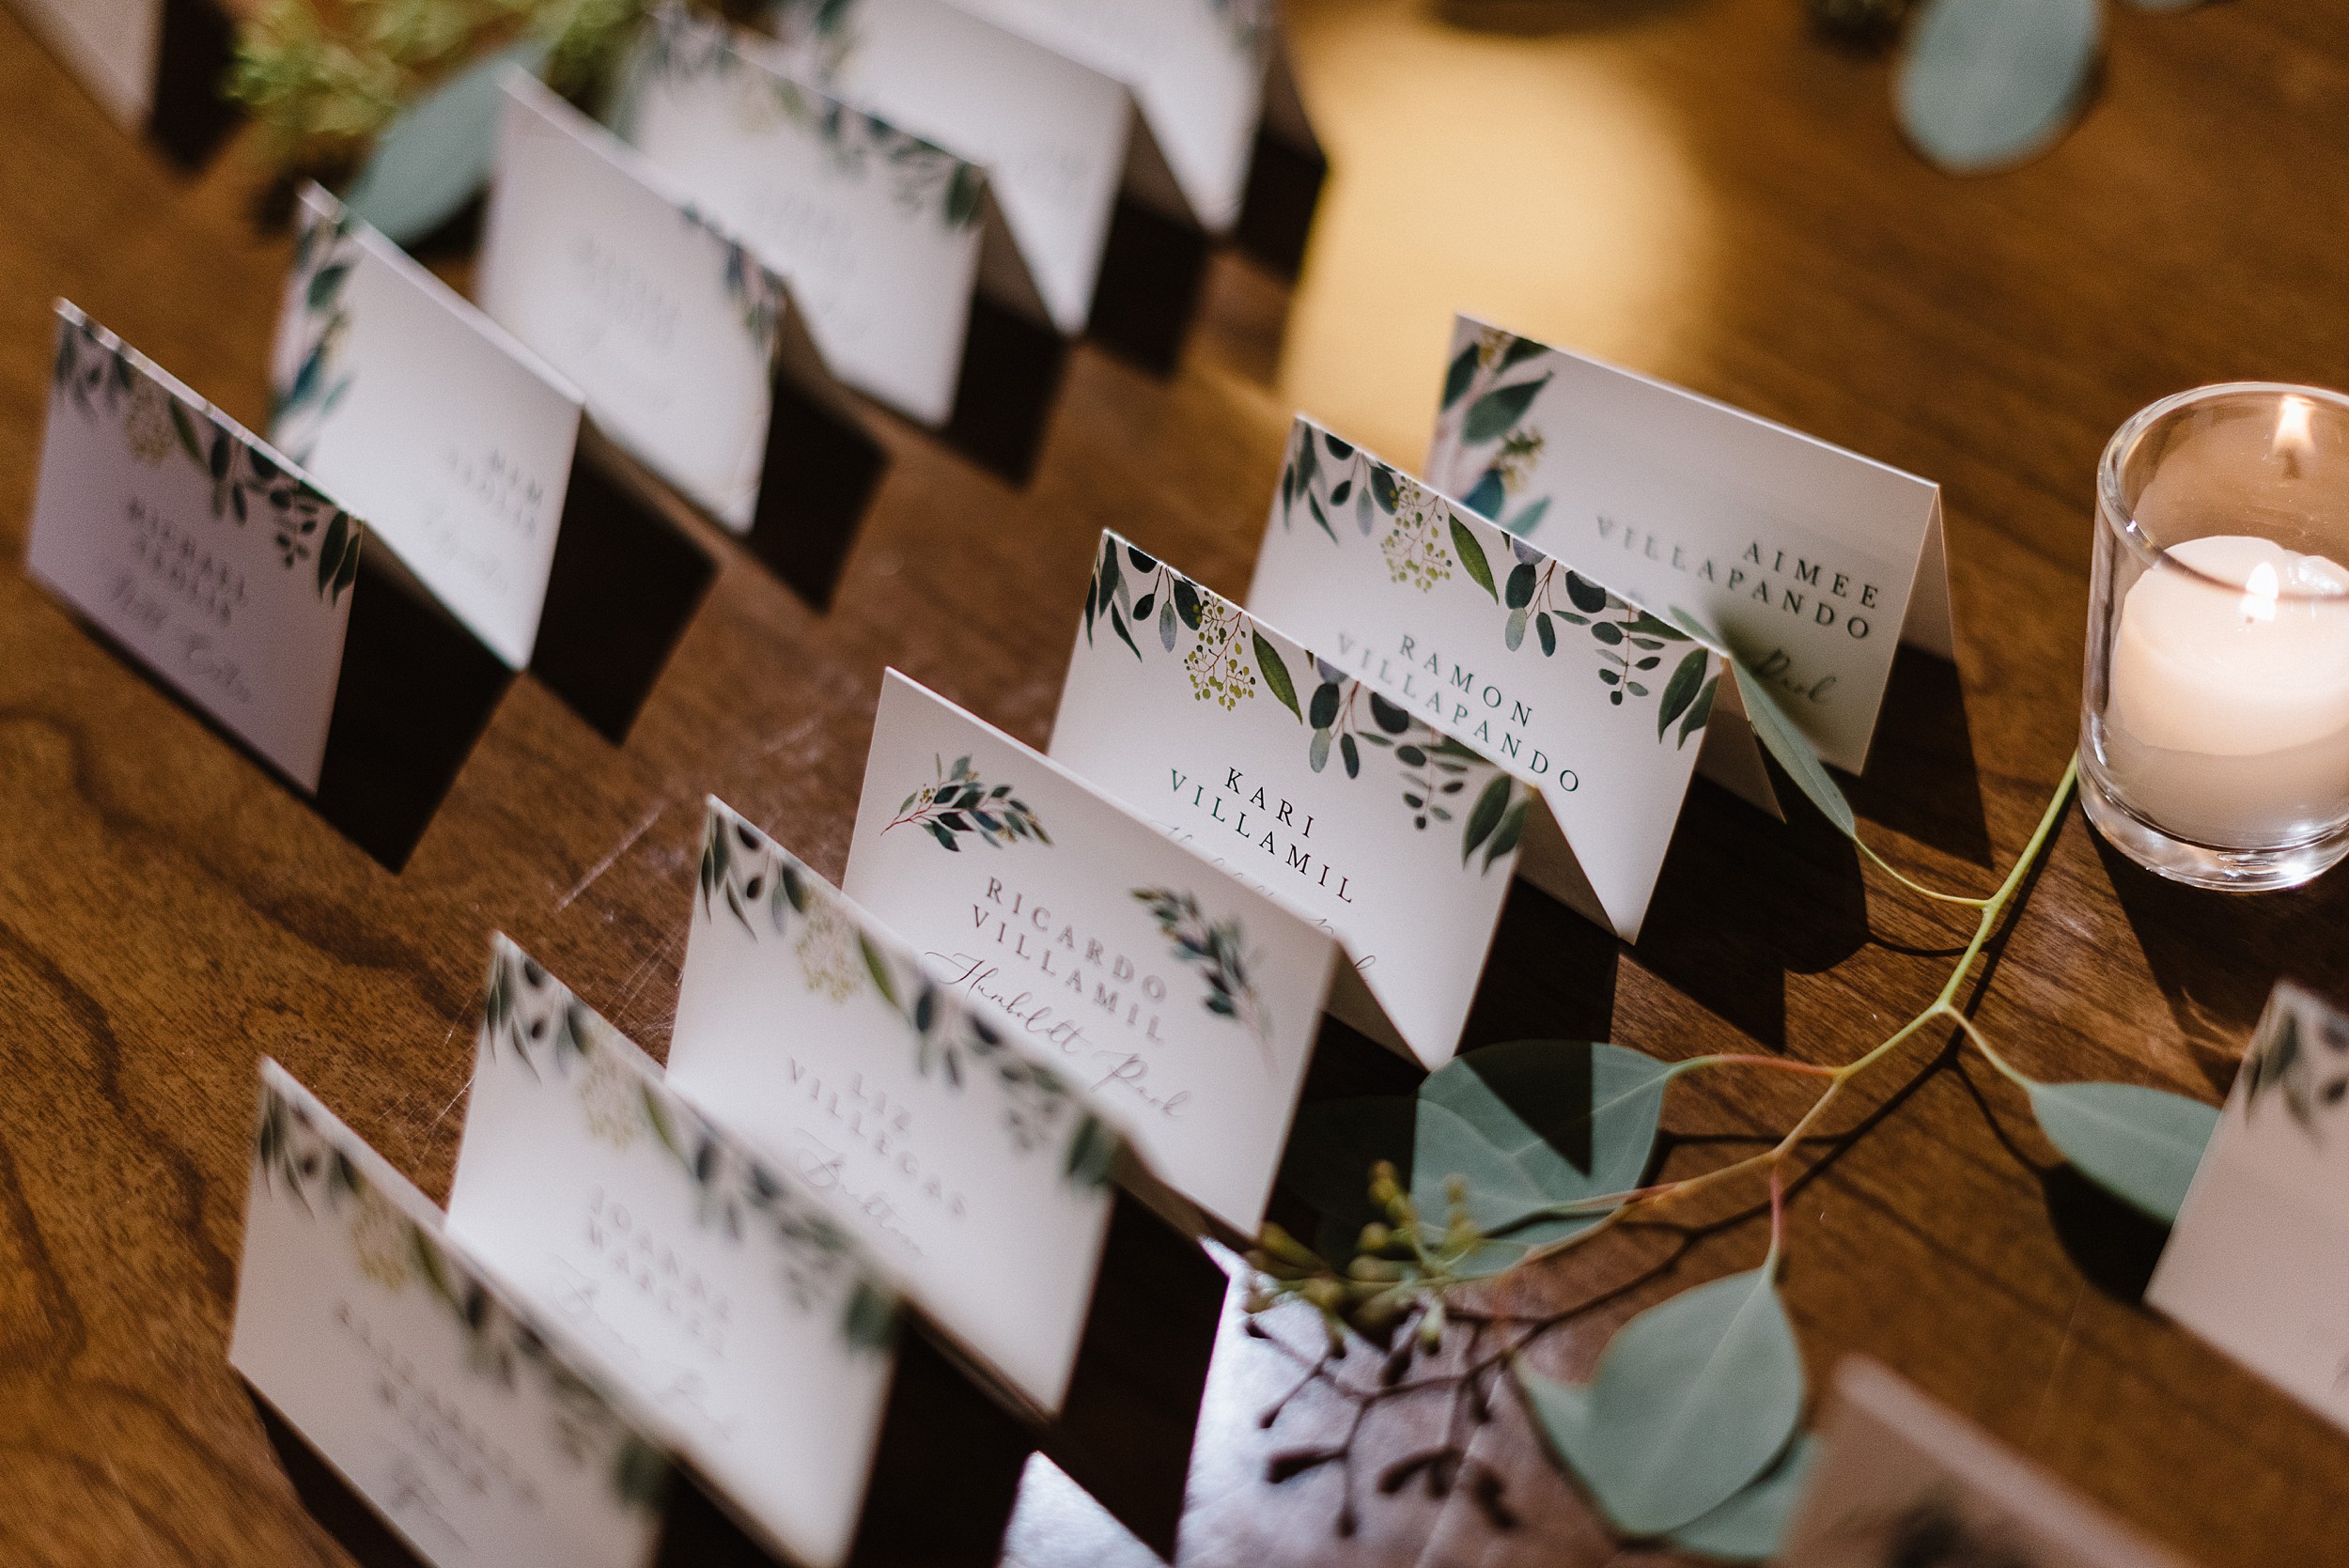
<point x="717" y="1292"/>
<point x="1213" y="77"/>
<point x="478" y="1436"/>
<point x="968" y="1164"/>
<point x="154" y="66"/>
<point x="1107" y="230"/>
<point x="1308" y="780"/>
<point x="1901" y="1481"/>
<point x="1814" y="562"/>
<point x="914" y="288"/>
<point x="692" y="356"/>
<point x="460" y="446"/>
<point x="244" y="587"/>
<point x="2258" y="1263"/>
<point x="1182" y="1000"/>
<point x="1596" y="703"/>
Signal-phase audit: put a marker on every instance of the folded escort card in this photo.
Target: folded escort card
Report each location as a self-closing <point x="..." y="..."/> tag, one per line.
<point x="2258" y="1263"/>
<point x="1179" y="998"/>
<point x="914" y="288"/>
<point x="962" y="1158"/>
<point x="479" y="1438"/>
<point x="240" y="585"/>
<point x="1812" y="562"/>
<point x="1107" y="231"/>
<point x="1599" y="703"/>
<point x="1901" y="1482"/>
<point x="1213" y="76"/>
<point x="692" y="356"/>
<point x="1303" y="776"/>
<point x="154" y="66"/>
<point x="720" y="1294"/>
<point x="458" y="444"/>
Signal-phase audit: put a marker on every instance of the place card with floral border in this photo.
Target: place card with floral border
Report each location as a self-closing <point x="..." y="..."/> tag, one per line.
<point x="478" y="1436"/>
<point x="914" y="288"/>
<point x="2258" y="1263"/>
<point x="703" y="389"/>
<point x="154" y="66"/>
<point x="1213" y="77"/>
<point x="1811" y="562"/>
<point x="718" y="1292"/>
<point x="1317" y="784"/>
<point x="1599" y="703"/>
<point x="1109" y="234"/>
<point x="1898" y="1480"/>
<point x="242" y="586"/>
<point x="1182" y="1000"/>
<point x="969" y="1165"/>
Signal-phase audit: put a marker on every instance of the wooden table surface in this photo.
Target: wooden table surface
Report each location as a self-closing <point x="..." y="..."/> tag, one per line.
<point x="1697" y="188"/>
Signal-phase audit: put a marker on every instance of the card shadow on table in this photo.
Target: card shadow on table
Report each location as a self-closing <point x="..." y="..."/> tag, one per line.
<point x="1922" y="781"/>
<point x="2215" y="955"/>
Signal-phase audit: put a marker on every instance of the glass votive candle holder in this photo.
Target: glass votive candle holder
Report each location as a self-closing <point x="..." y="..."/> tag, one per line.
<point x="2215" y="723"/>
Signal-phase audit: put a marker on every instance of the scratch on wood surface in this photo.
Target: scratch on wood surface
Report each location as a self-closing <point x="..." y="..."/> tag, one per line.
<point x="2055" y="1373"/>
<point x="605" y="864"/>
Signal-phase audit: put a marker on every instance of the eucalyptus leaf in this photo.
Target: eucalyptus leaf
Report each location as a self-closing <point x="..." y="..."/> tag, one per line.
<point x="1490" y="416"/>
<point x="1459" y="374"/>
<point x="2139" y="1145"/>
<point x="1276" y="673"/>
<point x="438" y="153"/>
<point x="1750" y="1526"/>
<point x="1473" y="557"/>
<point x="1987" y="83"/>
<point x="1792" y="748"/>
<point x="1691" y="1402"/>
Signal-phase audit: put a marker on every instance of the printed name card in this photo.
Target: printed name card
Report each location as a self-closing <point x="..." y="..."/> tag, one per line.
<point x="1305" y="778"/>
<point x="1179" y="998"/>
<point x="2258" y="1263"/>
<point x="476" y="1437"/>
<point x="1903" y="1480"/>
<point x="882" y="233"/>
<point x="1065" y="148"/>
<point x="720" y="1294"/>
<point x="692" y="357"/>
<point x="154" y="66"/>
<point x="1596" y="703"/>
<point x="962" y="1158"/>
<point x="1811" y="561"/>
<point x="240" y="585"/>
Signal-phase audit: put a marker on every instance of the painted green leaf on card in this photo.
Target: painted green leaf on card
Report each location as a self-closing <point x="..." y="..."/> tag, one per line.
<point x="1490" y="416"/>
<point x="1462" y="371"/>
<point x="1792" y="748"/>
<point x="2140" y="1144"/>
<point x="1987" y="83"/>
<point x="1473" y="557"/>
<point x="1750" y="1526"/>
<point x="436" y="156"/>
<point x="1680" y="691"/>
<point x="1691" y="1402"/>
<point x="1276" y="673"/>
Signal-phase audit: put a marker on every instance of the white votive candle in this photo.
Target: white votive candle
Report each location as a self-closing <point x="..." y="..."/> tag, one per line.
<point x="2229" y="716"/>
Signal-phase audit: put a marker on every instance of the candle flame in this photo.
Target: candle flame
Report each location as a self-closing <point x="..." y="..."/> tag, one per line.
<point x="2260" y="593"/>
<point x="2292" y="437"/>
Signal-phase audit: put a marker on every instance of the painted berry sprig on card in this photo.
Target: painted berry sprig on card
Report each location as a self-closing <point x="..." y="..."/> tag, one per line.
<point x="960" y="804"/>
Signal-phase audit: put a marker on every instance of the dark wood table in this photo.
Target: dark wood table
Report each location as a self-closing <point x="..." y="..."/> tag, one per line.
<point x="1699" y="188"/>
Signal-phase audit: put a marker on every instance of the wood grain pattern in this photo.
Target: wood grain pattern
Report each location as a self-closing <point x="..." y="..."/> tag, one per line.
<point x="1758" y="232"/>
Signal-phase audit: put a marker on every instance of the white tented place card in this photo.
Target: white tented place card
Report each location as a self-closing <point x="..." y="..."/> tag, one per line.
<point x="454" y="440"/>
<point x="478" y="1439"/>
<point x="968" y="1164"/>
<point x="154" y="66"/>
<point x="218" y="564"/>
<point x="882" y="233"/>
<point x="1184" y="1001"/>
<point x="1317" y="784"/>
<point x="719" y="1293"/>
<point x="1599" y="703"/>
<point x="1902" y="1481"/>
<point x="692" y="355"/>
<point x="2258" y="1263"/>
<point x="1814" y="562"/>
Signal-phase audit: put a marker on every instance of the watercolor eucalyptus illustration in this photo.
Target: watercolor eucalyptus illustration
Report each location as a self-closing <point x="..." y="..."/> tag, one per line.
<point x="1230" y="659"/>
<point x="535" y="1018"/>
<point x="746" y="871"/>
<point x="1218" y="949"/>
<point x="2300" y="1059"/>
<point x="822" y="33"/>
<point x="755" y="289"/>
<point x="325" y="255"/>
<point x="392" y="1250"/>
<point x="959" y="805"/>
<point x="104" y="380"/>
<point x="1487" y="397"/>
<point x="690" y="53"/>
